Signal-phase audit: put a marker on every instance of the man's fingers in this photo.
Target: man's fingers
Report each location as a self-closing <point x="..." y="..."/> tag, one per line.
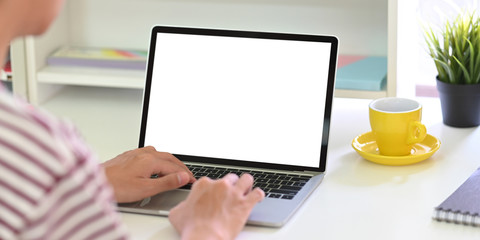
<point x="231" y="178"/>
<point x="169" y="182"/>
<point x="245" y="183"/>
<point x="164" y="168"/>
<point x="167" y="163"/>
<point x="169" y="157"/>
<point x="255" y="196"/>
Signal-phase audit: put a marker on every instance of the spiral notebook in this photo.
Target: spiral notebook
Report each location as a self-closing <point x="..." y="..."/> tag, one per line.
<point x="463" y="206"/>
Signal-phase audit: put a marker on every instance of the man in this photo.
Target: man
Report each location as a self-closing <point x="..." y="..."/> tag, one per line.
<point x="51" y="186"/>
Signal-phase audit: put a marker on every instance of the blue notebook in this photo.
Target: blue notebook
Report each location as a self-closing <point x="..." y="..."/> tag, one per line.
<point x="367" y="74"/>
<point x="463" y="206"/>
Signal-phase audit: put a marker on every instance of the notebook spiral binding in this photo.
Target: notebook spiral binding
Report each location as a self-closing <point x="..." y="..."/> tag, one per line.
<point x="457" y="217"/>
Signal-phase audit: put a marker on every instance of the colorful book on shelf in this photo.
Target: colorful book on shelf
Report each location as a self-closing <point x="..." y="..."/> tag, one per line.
<point x="98" y="57"/>
<point x="463" y="205"/>
<point x="344" y="60"/>
<point x="362" y="73"/>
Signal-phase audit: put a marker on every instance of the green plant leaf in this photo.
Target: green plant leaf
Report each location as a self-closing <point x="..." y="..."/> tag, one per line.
<point x="455" y="50"/>
<point x="471" y="63"/>
<point x="447" y="75"/>
<point x="464" y="70"/>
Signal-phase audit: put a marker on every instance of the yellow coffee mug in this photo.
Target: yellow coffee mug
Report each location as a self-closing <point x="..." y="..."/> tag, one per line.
<point x="396" y="125"/>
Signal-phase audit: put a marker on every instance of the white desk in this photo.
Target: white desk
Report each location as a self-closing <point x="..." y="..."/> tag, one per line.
<point x="359" y="199"/>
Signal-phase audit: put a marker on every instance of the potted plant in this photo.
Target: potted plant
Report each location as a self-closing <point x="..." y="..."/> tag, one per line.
<point x="456" y="53"/>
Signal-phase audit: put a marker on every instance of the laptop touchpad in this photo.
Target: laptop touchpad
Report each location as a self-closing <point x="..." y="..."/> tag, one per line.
<point x="165" y="201"/>
<point x="160" y="203"/>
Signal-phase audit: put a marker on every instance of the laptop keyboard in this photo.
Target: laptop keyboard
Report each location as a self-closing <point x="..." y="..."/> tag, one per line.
<point x="275" y="185"/>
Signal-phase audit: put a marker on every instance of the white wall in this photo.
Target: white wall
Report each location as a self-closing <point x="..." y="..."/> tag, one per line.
<point x="360" y="25"/>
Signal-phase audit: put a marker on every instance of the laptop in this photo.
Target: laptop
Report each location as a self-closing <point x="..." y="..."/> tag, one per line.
<point x="240" y="101"/>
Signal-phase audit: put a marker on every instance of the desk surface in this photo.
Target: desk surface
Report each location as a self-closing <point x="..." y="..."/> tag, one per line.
<point x="363" y="200"/>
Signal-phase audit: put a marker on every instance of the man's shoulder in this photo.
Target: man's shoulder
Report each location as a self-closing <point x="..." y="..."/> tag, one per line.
<point x="39" y="138"/>
<point x="38" y="151"/>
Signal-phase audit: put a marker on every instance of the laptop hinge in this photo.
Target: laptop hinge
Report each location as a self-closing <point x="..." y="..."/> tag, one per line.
<point x="308" y="172"/>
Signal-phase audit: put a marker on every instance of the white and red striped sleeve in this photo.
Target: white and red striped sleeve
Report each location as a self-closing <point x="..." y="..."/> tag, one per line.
<point x="51" y="186"/>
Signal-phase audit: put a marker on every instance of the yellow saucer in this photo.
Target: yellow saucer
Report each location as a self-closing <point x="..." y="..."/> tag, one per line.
<point x="366" y="146"/>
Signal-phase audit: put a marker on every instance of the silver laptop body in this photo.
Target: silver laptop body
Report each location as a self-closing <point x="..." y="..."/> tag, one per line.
<point x="238" y="99"/>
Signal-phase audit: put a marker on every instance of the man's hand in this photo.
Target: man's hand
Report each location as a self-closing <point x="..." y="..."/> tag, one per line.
<point x="216" y="209"/>
<point x="130" y="174"/>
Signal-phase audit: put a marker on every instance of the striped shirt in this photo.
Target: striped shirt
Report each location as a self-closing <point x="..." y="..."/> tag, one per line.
<point x="51" y="185"/>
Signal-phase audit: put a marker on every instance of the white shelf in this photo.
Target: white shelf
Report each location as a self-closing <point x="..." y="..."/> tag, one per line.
<point x="366" y="28"/>
<point x="343" y="93"/>
<point x="88" y="76"/>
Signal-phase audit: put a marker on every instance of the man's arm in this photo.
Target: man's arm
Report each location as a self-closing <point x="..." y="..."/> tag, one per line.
<point x="130" y="174"/>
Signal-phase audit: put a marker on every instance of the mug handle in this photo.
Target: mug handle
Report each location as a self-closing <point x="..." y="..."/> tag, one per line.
<point x="416" y="132"/>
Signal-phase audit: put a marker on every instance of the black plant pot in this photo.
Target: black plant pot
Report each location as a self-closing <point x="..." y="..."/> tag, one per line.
<point x="460" y="104"/>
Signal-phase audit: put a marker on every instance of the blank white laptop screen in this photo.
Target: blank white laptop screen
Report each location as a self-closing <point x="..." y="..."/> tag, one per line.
<point x="260" y="100"/>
